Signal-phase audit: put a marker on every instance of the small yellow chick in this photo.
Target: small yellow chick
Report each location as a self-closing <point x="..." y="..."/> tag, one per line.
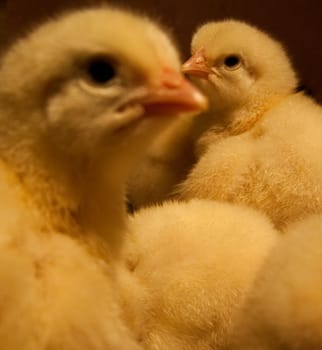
<point x="79" y="101"/>
<point x="284" y="309"/>
<point x="264" y="147"/>
<point x="195" y="262"/>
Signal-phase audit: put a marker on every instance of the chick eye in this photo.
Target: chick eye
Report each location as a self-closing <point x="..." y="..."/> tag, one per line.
<point x="100" y="70"/>
<point x="232" y="61"/>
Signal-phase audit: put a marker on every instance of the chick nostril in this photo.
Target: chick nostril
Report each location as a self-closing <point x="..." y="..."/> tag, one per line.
<point x="171" y="84"/>
<point x="200" y="60"/>
<point x="171" y="79"/>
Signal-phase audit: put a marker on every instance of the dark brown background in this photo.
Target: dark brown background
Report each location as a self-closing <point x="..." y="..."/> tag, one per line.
<point x="297" y="23"/>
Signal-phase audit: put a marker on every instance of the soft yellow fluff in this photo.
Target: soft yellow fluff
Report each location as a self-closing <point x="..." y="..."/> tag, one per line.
<point x="195" y="262"/>
<point x="67" y="141"/>
<point x="284" y="310"/>
<point x="265" y="144"/>
<point x="48" y="283"/>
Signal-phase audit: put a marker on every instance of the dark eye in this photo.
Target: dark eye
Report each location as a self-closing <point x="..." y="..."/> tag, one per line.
<point x="100" y="70"/>
<point x="232" y="61"/>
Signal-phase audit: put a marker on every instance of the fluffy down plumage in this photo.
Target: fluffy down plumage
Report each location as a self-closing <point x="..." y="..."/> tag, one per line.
<point x="264" y="147"/>
<point x="195" y="262"/>
<point x="284" y="308"/>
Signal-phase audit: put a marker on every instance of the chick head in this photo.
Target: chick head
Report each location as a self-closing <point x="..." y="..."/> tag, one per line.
<point x="237" y="63"/>
<point x="89" y="79"/>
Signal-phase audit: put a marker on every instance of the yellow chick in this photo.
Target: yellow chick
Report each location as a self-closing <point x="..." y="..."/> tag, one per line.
<point x="196" y="262"/>
<point x="284" y="309"/>
<point x="79" y="100"/>
<point x="265" y="144"/>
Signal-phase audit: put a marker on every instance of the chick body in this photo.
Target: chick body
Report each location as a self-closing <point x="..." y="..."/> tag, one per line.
<point x="273" y="167"/>
<point x="283" y="310"/>
<point x="196" y="262"/>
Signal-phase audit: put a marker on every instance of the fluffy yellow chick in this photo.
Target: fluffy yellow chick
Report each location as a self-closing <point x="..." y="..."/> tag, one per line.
<point x="284" y="310"/>
<point x="79" y="100"/>
<point x="196" y="262"/>
<point x="265" y="144"/>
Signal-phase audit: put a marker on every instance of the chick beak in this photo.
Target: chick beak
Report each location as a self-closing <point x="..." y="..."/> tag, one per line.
<point x="173" y="94"/>
<point x="197" y="65"/>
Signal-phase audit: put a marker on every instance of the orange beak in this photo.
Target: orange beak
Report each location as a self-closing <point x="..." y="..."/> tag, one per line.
<point x="197" y="65"/>
<point x="173" y="94"/>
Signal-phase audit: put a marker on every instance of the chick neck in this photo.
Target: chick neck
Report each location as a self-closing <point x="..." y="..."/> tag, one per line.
<point x="216" y="124"/>
<point x="235" y="120"/>
<point x="81" y="196"/>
